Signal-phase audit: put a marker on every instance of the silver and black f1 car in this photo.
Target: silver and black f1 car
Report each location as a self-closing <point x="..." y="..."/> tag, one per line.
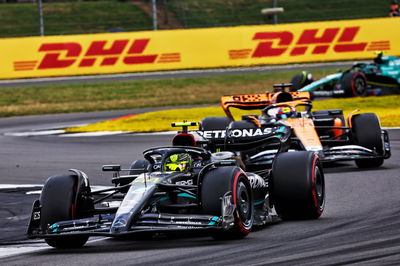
<point x="324" y="132"/>
<point x="178" y="189"/>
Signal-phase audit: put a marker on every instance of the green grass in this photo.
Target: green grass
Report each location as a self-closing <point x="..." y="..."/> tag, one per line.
<point x="88" y="97"/>
<point x="72" y="18"/>
<point x="211" y="13"/>
<point x="320" y="10"/>
<point x="80" y="17"/>
<point x="18" y="20"/>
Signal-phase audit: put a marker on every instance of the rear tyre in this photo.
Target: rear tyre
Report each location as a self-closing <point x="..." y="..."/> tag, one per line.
<point x="354" y="84"/>
<point x="298" y="185"/>
<point x="214" y="123"/>
<point x="60" y="202"/>
<point x="215" y="184"/>
<point x="366" y="132"/>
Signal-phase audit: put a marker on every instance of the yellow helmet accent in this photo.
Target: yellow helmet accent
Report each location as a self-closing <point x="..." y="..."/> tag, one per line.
<point x="178" y="162"/>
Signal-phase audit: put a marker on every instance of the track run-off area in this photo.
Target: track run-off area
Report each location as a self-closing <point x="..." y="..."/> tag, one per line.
<point x="360" y="225"/>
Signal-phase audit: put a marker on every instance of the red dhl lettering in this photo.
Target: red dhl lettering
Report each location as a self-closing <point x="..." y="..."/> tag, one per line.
<point x="314" y="41"/>
<point x="130" y="52"/>
<point x="51" y="59"/>
<point x="97" y="50"/>
<point x="101" y="53"/>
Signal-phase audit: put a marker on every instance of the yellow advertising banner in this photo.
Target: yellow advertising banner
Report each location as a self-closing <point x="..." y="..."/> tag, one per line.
<point x="198" y="48"/>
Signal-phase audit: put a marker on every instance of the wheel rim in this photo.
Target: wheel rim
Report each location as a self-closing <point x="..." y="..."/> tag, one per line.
<point x="319" y="187"/>
<point x="359" y="86"/>
<point x="244" y="204"/>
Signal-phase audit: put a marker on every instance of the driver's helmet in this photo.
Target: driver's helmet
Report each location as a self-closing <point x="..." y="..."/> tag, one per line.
<point x="282" y="112"/>
<point x="285" y="112"/>
<point x="178" y="162"/>
<point x="378" y="58"/>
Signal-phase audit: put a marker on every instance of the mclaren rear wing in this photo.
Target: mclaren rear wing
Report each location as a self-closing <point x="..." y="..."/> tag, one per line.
<point x="255" y="101"/>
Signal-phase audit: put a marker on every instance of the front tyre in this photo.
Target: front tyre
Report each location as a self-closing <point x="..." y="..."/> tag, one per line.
<point x="215" y="184"/>
<point x="366" y="132"/>
<point x="61" y="201"/>
<point x="300" y="80"/>
<point x="298" y="185"/>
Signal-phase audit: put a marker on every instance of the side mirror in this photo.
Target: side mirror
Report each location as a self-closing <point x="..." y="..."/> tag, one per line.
<point x="111" y="168"/>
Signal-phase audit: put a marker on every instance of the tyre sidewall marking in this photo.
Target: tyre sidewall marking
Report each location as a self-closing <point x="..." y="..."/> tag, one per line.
<point x="239" y="222"/>
<point x="314" y="186"/>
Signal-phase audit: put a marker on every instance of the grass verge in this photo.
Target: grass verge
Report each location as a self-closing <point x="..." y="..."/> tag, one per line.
<point x="87" y="97"/>
<point x="386" y="107"/>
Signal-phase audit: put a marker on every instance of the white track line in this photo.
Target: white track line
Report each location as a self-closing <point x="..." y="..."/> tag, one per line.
<point x="62" y="133"/>
<point x="12" y="250"/>
<point x="21" y="249"/>
<point x="95" y="134"/>
<point x="16" y="186"/>
<point x="36" y="189"/>
<point x="156" y="133"/>
<point x="35" y="133"/>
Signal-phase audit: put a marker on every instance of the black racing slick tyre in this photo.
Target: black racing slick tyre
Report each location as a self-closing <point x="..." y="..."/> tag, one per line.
<point x="214" y="186"/>
<point x="60" y="201"/>
<point x="214" y="123"/>
<point x="354" y="84"/>
<point x="300" y="80"/>
<point x="298" y="185"/>
<point x="366" y="132"/>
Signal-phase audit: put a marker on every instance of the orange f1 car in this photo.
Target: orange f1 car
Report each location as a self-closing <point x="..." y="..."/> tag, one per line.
<point x="290" y="114"/>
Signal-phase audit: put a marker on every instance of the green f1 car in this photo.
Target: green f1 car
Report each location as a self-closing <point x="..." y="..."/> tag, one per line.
<point x="382" y="77"/>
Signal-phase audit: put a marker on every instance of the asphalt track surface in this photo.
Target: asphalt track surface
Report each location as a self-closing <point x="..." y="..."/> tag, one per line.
<point x="360" y="225"/>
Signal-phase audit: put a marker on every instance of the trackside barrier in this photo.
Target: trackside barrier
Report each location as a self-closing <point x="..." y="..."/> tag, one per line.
<point x="198" y="48"/>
